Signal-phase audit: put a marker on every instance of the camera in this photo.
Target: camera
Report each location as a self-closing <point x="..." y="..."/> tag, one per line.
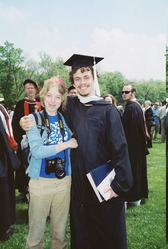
<point x="56" y="166"/>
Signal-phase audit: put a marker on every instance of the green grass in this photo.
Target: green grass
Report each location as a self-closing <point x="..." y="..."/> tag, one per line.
<point x="146" y="225"/>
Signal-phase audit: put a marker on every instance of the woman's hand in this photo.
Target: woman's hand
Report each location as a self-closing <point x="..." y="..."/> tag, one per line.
<point x="72" y="143"/>
<point x="26" y="123"/>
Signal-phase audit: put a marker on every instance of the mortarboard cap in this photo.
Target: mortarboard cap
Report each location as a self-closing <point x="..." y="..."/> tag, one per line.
<point x="78" y="60"/>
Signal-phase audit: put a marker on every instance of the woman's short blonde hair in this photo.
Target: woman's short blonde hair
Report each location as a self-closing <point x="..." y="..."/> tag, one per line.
<point x="54" y="81"/>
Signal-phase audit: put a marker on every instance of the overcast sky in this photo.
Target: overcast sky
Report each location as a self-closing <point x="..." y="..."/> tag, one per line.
<point x="129" y="34"/>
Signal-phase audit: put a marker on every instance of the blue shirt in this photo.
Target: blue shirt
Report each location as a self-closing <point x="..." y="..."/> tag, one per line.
<point x="55" y="137"/>
<point x="156" y="118"/>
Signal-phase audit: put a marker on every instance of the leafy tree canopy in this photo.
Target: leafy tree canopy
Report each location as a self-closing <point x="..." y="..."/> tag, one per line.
<point x="16" y="67"/>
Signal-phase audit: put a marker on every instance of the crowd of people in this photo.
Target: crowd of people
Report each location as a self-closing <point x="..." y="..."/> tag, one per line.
<point x="82" y="132"/>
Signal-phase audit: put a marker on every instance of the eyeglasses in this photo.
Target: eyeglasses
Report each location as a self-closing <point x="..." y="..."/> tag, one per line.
<point x="126" y="92"/>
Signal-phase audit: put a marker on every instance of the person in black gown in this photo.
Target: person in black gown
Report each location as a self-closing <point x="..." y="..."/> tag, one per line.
<point x="97" y="126"/>
<point x="8" y="164"/>
<point x="136" y="135"/>
<point x="149" y="121"/>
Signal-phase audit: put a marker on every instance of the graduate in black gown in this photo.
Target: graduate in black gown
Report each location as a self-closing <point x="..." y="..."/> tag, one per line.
<point x="97" y="126"/>
<point x="135" y="131"/>
<point x="23" y="107"/>
<point x="149" y="121"/>
<point x="8" y="164"/>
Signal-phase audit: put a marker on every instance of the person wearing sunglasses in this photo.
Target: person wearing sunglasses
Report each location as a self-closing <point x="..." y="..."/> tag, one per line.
<point x="135" y="131"/>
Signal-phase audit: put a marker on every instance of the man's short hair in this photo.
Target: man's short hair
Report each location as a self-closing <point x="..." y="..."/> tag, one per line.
<point x="71" y="88"/>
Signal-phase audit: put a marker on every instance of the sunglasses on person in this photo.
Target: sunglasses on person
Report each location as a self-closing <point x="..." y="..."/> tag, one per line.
<point x="126" y="92"/>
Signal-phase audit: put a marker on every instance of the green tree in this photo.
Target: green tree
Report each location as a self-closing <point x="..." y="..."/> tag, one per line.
<point x="153" y="90"/>
<point x="15" y="68"/>
<point x="11" y="60"/>
<point x="49" y="67"/>
<point x="112" y="83"/>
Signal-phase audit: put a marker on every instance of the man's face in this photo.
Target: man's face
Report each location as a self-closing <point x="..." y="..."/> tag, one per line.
<point x="73" y="93"/>
<point x="30" y="90"/>
<point x="84" y="83"/>
<point x="127" y="94"/>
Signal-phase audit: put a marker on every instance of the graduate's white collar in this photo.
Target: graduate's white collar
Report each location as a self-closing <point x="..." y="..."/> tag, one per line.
<point x="85" y="100"/>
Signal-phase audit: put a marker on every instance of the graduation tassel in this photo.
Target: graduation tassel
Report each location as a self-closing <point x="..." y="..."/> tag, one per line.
<point x="96" y="83"/>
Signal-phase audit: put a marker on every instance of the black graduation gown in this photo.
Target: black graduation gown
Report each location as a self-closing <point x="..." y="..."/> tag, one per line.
<point x="133" y="122"/>
<point x="100" y="135"/>
<point x="7" y="189"/>
<point x="149" y="117"/>
<point x="21" y="179"/>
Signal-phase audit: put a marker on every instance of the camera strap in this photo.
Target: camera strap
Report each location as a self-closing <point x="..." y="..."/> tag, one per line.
<point x="47" y="125"/>
<point x="61" y="126"/>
